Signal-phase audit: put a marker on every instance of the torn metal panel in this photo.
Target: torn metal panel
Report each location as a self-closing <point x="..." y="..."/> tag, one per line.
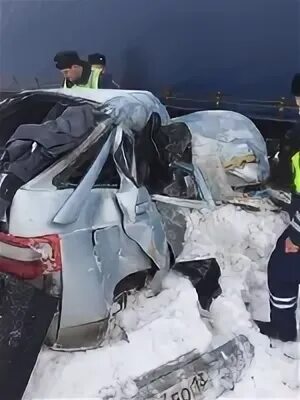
<point x="255" y="204"/>
<point x="141" y="220"/>
<point x="121" y="247"/>
<point x="174" y="225"/>
<point x="195" y="376"/>
<point x="235" y="134"/>
<point x="117" y="256"/>
<point x="70" y="211"/>
<point x="183" y="183"/>
<point x="133" y="109"/>
<point x="202" y="186"/>
<point x="90" y="276"/>
<point x="228" y="149"/>
<point x="185" y="203"/>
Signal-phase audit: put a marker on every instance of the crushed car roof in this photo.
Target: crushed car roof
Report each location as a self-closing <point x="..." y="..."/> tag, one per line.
<point x="122" y="105"/>
<point x="98" y="96"/>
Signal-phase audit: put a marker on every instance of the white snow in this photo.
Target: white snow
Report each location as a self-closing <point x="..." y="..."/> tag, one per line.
<point x="163" y="327"/>
<point x="242" y="243"/>
<point x="158" y="329"/>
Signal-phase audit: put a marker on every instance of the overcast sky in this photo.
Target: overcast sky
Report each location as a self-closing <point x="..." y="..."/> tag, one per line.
<point x="245" y="47"/>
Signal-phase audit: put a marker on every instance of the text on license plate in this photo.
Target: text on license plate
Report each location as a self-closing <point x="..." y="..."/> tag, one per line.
<point x="187" y="389"/>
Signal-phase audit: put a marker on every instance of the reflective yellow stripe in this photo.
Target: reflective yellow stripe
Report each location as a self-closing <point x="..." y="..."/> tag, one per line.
<point x="296" y="172"/>
<point x="97" y="67"/>
<point x="94" y="78"/>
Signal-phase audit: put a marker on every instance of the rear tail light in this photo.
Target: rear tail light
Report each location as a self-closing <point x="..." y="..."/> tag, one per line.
<point x="29" y="258"/>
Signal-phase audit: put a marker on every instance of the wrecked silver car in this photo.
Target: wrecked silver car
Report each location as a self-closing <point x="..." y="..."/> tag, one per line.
<point x="95" y="191"/>
<point x="76" y="219"/>
<point x="92" y="188"/>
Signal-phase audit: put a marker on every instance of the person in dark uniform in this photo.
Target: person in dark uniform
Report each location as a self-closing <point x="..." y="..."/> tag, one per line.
<point x="76" y="72"/>
<point x="296" y="91"/>
<point x="284" y="264"/>
<point x="98" y="62"/>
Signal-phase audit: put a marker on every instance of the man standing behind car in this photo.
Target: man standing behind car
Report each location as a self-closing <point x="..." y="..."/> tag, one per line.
<point x="76" y="72"/>
<point x="79" y="73"/>
<point x="98" y="62"/>
<point x="284" y="264"/>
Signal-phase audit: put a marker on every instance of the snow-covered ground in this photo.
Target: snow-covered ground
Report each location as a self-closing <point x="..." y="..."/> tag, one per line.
<point x="158" y="329"/>
<point x="155" y="330"/>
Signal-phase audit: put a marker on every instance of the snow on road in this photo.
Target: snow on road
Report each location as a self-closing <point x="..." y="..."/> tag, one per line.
<point x="242" y="243"/>
<point x="158" y="330"/>
<point x="155" y="330"/>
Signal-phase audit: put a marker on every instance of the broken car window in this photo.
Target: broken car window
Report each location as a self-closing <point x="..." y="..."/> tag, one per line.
<point x="108" y="177"/>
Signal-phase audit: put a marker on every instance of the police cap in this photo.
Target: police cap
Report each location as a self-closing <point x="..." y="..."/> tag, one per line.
<point x="65" y="59"/>
<point x="96" y="58"/>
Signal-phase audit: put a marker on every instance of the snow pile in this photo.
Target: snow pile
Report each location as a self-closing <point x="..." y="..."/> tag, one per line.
<point x="242" y="243"/>
<point x="155" y="330"/>
<point x="271" y="374"/>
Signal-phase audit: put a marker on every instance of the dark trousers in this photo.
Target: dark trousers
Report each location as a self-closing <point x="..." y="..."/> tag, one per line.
<point x="283" y="281"/>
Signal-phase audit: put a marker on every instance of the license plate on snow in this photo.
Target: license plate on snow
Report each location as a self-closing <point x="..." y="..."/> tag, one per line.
<point x="187" y="389"/>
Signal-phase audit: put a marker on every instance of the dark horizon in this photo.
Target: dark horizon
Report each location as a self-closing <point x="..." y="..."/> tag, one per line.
<point x="249" y="48"/>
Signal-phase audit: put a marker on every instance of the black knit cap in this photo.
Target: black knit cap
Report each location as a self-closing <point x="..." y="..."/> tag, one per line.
<point x="65" y="59"/>
<point x="97" y="58"/>
<point x="295" y="88"/>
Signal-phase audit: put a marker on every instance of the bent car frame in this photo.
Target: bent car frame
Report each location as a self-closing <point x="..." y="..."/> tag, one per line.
<point x="92" y="189"/>
<point x="82" y="227"/>
<point x="96" y="191"/>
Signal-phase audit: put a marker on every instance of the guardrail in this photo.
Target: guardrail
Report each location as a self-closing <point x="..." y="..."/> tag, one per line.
<point x="282" y="109"/>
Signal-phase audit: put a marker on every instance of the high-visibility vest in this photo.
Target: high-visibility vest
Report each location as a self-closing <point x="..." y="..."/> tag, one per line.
<point x="97" y="67"/>
<point x="296" y="172"/>
<point x="92" y="83"/>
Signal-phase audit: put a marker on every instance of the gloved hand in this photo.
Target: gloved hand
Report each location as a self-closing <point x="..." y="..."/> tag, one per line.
<point x="290" y="247"/>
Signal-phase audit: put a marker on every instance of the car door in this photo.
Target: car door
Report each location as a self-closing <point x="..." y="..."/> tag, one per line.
<point x="97" y="253"/>
<point x="115" y="231"/>
<point x="141" y="219"/>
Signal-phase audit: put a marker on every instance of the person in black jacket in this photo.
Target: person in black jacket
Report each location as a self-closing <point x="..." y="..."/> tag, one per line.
<point x="284" y="264"/>
<point x="77" y="72"/>
<point x="296" y="89"/>
<point x="98" y="62"/>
